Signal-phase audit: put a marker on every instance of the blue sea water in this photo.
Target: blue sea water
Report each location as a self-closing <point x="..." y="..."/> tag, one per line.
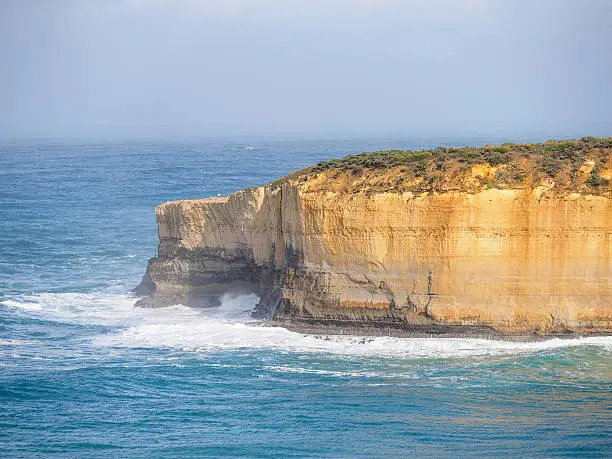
<point x="84" y="374"/>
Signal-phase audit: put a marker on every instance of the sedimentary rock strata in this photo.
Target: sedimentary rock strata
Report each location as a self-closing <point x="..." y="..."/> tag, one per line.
<point x="334" y="245"/>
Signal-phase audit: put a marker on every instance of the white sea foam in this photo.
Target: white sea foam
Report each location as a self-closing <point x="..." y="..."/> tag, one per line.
<point x="27" y="305"/>
<point x="83" y="308"/>
<point x="316" y="371"/>
<point x="230" y="327"/>
<point x="212" y="334"/>
<point x="16" y="342"/>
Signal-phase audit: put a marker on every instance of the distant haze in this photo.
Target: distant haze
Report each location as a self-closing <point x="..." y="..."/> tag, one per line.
<point x="305" y="67"/>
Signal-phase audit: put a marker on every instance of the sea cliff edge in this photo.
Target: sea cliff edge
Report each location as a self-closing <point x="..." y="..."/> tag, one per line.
<point x="496" y="241"/>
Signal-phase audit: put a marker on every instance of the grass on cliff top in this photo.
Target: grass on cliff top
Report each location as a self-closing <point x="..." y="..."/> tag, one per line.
<point x="557" y="160"/>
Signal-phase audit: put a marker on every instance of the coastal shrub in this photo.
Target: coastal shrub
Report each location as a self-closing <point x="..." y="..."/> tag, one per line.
<point x="501" y="149"/>
<point x="549" y="165"/>
<point x="496" y="157"/>
<point x="595" y="179"/>
<point x="538" y="159"/>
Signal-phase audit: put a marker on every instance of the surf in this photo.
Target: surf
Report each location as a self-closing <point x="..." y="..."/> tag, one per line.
<point x="229" y="326"/>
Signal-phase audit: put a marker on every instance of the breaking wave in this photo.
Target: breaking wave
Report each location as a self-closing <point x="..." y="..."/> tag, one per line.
<point x="230" y="327"/>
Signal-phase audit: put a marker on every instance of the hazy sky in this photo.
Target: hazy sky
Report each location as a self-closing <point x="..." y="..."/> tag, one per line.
<point x="303" y="67"/>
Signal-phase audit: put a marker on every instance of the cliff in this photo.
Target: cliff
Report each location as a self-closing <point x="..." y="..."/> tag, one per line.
<point x="505" y="241"/>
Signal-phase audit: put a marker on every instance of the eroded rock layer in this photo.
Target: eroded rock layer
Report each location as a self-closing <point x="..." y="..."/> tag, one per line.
<point x="325" y="248"/>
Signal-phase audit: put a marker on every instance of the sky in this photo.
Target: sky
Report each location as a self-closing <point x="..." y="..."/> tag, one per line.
<point x="306" y="67"/>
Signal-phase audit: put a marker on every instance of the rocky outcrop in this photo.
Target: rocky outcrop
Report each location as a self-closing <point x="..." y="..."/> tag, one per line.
<point x="206" y="249"/>
<point x="326" y="248"/>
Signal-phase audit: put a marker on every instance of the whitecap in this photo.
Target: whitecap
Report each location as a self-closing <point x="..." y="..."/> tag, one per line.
<point x="16" y="342"/>
<point x="230" y="327"/>
<point x="316" y="371"/>
<point x="84" y="308"/>
<point x="27" y="305"/>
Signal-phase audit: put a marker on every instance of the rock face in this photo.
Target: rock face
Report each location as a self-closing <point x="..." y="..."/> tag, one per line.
<point x="519" y="260"/>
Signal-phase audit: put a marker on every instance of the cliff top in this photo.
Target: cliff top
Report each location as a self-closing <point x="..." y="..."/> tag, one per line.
<point x="566" y="166"/>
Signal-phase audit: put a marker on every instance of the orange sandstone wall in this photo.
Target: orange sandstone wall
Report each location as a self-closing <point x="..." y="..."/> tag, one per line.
<point x="521" y="260"/>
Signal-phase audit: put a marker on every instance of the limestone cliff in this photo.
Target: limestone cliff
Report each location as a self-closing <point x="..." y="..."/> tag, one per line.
<point x="332" y="244"/>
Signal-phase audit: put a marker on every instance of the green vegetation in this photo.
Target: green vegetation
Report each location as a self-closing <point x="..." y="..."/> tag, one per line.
<point x="559" y="160"/>
<point x="595" y="179"/>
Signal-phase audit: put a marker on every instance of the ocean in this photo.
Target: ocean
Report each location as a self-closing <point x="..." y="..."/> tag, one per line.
<point x="84" y="374"/>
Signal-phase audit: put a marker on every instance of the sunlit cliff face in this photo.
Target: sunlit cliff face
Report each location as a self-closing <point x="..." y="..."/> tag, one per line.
<point x="339" y="245"/>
